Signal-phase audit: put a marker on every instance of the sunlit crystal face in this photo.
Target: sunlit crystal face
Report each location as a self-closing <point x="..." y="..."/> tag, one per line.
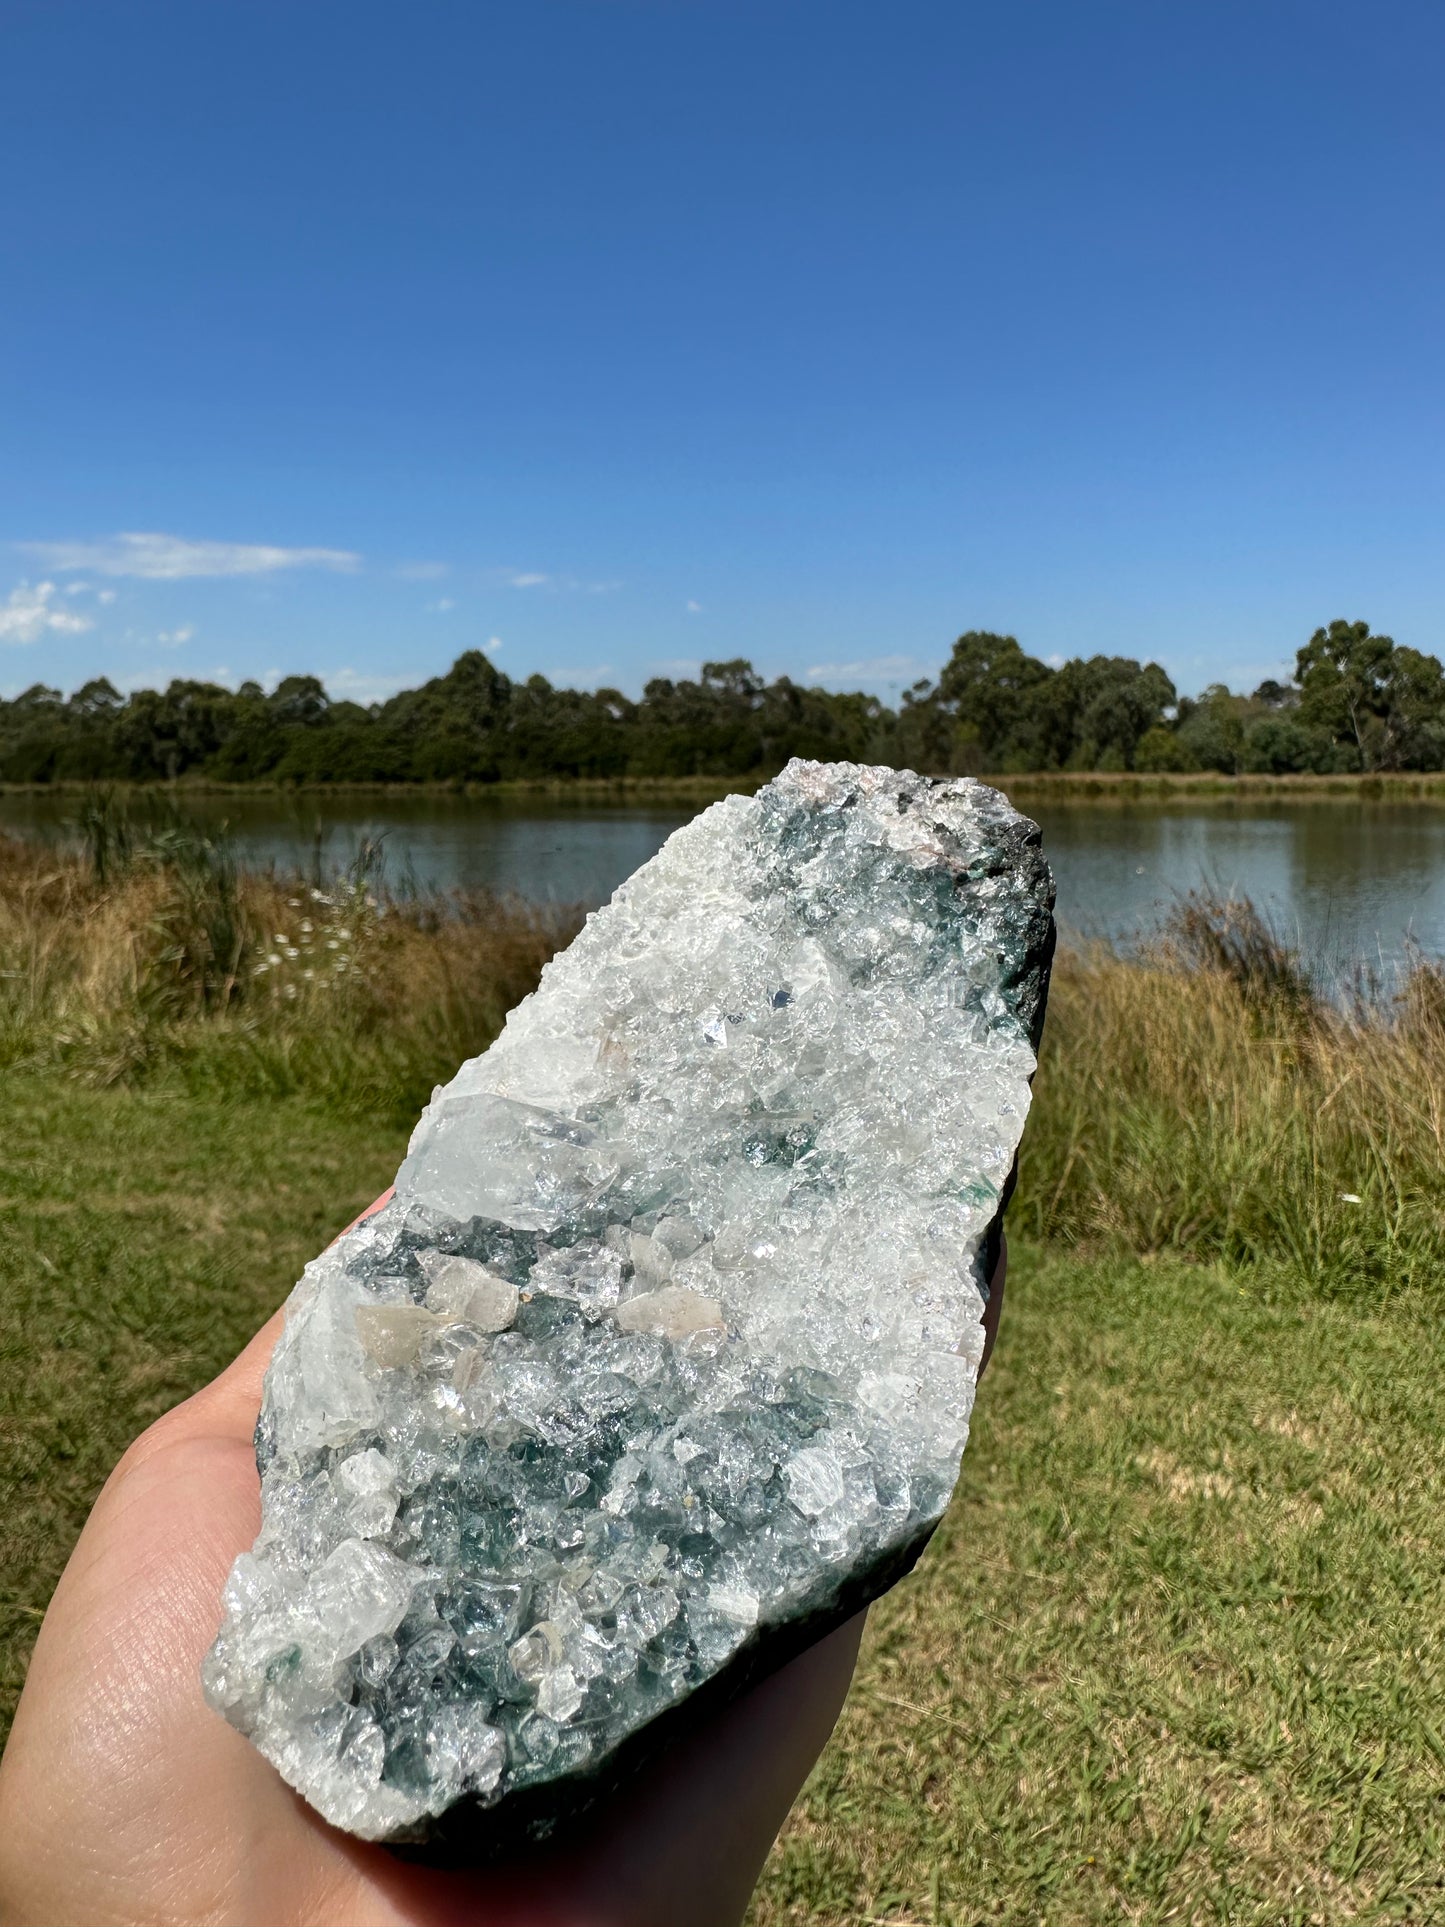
<point x="671" y="1330"/>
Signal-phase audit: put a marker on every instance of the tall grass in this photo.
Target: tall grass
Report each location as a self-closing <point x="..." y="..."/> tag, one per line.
<point x="172" y="963"/>
<point x="1206" y="1101"/>
<point x="1202" y="1101"/>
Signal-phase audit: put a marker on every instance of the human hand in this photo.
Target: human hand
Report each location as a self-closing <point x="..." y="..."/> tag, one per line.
<point x="124" y="1798"/>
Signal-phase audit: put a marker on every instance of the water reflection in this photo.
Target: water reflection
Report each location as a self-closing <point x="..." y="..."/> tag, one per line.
<point x="1345" y="880"/>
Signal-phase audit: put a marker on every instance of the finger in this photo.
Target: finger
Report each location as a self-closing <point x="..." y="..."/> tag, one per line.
<point x="226" y="1409"/>
<point x="228" y="1406"/>
<point x="376" y="1205"/>
<point x="238" y="1388"/>
<point x="708" y="1812"/>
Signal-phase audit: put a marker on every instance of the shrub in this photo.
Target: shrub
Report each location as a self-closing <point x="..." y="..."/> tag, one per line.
<point x="1159" y="750"/>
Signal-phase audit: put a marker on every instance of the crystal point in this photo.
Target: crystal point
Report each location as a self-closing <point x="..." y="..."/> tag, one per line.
<point x="660" y="1361"/>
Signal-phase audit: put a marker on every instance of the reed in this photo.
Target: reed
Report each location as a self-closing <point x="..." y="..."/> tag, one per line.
<point x="1208" y="1101"/>
<point x="173" y="964"/>
<point x="1203" y="1100"/>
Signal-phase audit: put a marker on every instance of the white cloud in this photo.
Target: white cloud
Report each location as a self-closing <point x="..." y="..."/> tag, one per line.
<point x="175" y="638"/>
<point x="421" y="571"/>
<point x="677" y="666"/>
<point x="172" y="558"/>
<point x="494" y="643"/>
<point x="28" y="614"/>
<point x="559" y="584"/>
<point x="358" y="686"/>
<point x="579" y="676"/>
<point x="694" y="608"/>
<point x="160" y="673"/>
<point x="106" y="596"/>
<point x="868" y="669"/>
<point x="443" y="606"/>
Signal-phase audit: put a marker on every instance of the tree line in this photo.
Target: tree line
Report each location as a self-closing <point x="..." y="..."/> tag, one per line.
<point x="1357" y="701"/>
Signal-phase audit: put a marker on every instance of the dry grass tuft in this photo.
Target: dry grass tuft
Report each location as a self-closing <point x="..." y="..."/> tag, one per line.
<point x="1203" y="1101"/>
<point x="1206" y="1102"/>
<point x="173" y="962"/>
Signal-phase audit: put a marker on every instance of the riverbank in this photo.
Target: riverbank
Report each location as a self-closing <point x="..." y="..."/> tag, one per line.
<point x="1086" y="786"/>
<point x="1074" y="786"/>
<point x="161" y="960"/>
<point x="1171" y="1654"/>
<point x="662" y="790"/>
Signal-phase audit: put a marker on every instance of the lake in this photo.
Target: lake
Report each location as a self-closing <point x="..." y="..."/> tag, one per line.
<point x="1342" y="878"/>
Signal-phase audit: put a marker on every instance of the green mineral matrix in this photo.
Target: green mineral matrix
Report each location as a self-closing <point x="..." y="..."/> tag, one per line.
<point x="660" y="1362"/>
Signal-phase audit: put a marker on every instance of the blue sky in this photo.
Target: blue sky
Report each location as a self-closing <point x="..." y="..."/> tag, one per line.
<point x="611" y="335"/>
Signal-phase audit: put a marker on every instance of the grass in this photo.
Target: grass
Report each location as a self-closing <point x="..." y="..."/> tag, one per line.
<point x="1207" y="1104"/>
<point x="164" y="964"/>
<point x="144" y="1235"/>
<point x="1175" y="1653"/>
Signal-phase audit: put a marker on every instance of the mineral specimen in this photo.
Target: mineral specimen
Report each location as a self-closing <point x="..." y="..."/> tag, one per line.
<point x="660" y="1361"/>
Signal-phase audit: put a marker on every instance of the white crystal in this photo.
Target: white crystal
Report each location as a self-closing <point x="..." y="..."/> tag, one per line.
<point x="393" y="1335"/>
<point x="463" y="1749"/>
<point x="734" y="1602"/>
<point x="815" y="1480"/>
<point x="673" y="1311"/>
<point x="460" y="1288"/>
<point x="359" y="1591"/>
<point x="671" y="1329"/>
<point x="368" y="1487"/>
<point x="558" y="1694"/>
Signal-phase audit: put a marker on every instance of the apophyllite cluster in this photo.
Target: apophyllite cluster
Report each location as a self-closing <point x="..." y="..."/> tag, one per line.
<point x="660" y="1361"/>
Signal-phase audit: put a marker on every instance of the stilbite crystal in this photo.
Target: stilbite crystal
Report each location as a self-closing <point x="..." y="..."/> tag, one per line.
<point x="660" y="1361"/>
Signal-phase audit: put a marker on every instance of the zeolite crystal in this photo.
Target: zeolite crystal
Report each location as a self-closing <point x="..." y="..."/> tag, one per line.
<point x="660" y="1361"/>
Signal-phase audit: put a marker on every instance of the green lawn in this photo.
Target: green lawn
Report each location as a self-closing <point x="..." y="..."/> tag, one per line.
<point x="144" y="1235"/>
<point x="1175" y="1656"/>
